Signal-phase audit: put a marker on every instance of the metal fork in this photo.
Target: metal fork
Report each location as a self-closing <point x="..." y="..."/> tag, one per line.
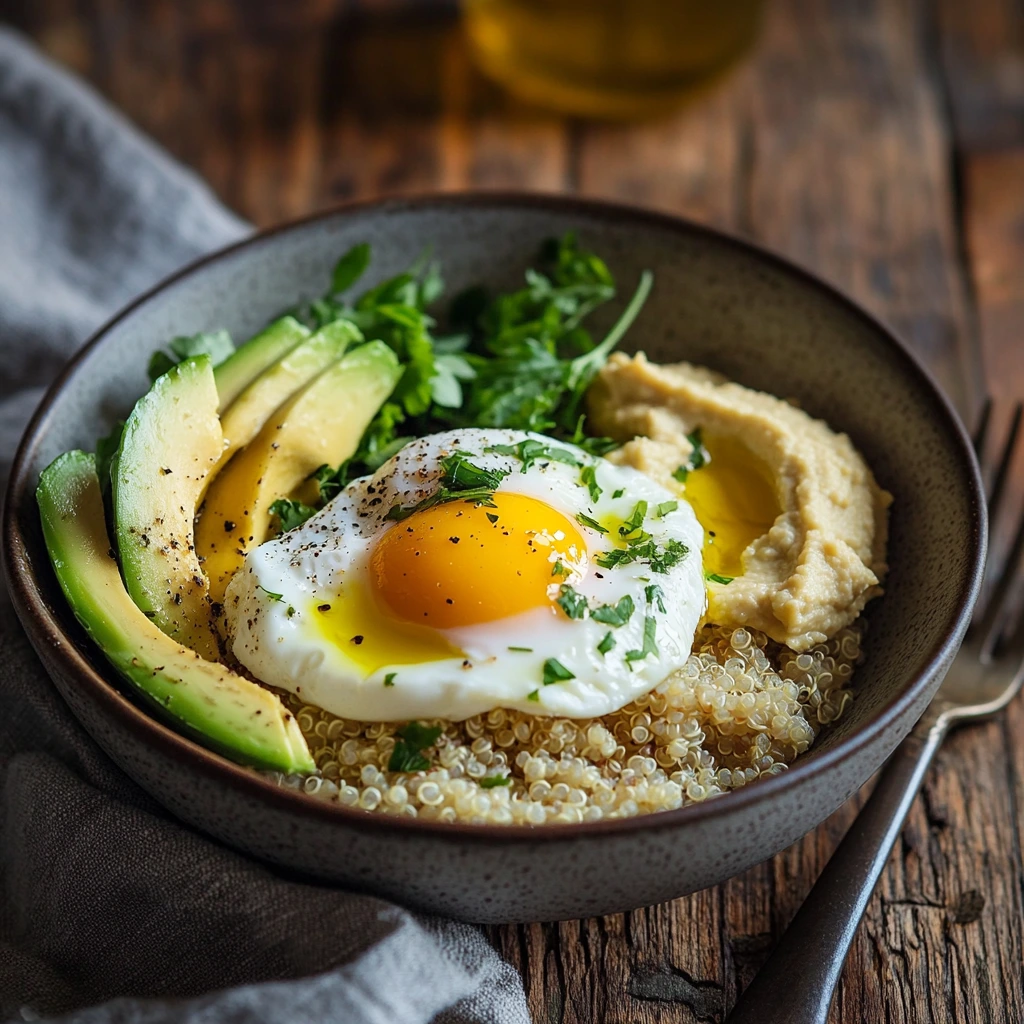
<point x="797" y="982"/>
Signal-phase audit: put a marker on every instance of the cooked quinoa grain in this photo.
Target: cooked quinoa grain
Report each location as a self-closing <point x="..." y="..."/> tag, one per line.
<point x="741" y="707"/>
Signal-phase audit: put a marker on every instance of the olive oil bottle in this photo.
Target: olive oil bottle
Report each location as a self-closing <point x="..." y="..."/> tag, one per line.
<point x="608" y="58"/>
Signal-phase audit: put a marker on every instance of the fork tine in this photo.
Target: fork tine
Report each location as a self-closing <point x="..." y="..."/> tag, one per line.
<point x="1003" y="466"/>
<point x="981" y="430"/>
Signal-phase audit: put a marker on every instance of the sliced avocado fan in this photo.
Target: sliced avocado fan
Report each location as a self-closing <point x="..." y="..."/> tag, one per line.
<point x="321" y="425"/>
<point x="224" y="711"/>
<point x="170" y="443"/>
<point x="262" y="350"/>
<point x="245" y="416"/>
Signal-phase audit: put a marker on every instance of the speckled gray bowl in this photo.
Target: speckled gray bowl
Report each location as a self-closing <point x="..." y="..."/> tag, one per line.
<point x="716" y="301"/>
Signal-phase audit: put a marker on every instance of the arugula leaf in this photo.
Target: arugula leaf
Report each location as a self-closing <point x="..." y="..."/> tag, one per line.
<point x="572" y="602"/>
<point x="291" y="513"/>
<point x="413" y="739"/>
<point x="350" y="268"/>
<point x="530" y="451"/>
<point x="649" y="644"/>
<point x="556" y="672"/>
<point x="607" y="643"/>
<point x="617" y="614"/>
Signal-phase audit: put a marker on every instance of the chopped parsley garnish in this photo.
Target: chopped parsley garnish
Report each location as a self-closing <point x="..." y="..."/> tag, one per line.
<point x="389" y="679"/>
<point x="290" y="611"/>
<point x="556" y="672"/>
<point x="527" y="650"/>
<point x="665" y="507"/>
<point x="270" y="593"/>
<point x="460" y="481"/>
<point x="660" y="558"/>
<point x="588" y="477"/>
<point x="585" y="520"/>
<point x="715" y="577"/>
<point x="495" y="780"/>
<point x="413" y="739"/>
<point x="291" y="513"/>
<point x="559" y="569"/>
<point x="572" y="602"/>
<point x="533" y="695"/>
<point x="697" y="459"/>
<point x="649" y="647"/>
<point x="656" y="596"/>
<point x="614" y="614"/>
<point x="619" y="493"/>
<point x="492" y="517"/>
<point x="635" y="521"/>
<point x="607" y="643"/>
<point x="530" y="451"/>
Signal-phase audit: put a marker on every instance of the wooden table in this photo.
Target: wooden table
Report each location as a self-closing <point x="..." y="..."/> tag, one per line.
<point x="881" y="144"/>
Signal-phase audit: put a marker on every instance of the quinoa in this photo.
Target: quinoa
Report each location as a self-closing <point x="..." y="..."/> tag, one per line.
<point x="741" y="707"/>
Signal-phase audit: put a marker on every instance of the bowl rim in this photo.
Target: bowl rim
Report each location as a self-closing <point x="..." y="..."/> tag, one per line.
<point x="45" y="631"/>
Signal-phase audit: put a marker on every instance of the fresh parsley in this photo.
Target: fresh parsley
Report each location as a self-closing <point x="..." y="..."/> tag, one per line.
<point x="492" y="781"/>
<point x="290" y="513"/>
<point x="664" y="508"/>
<point x="556" y="672"/>
<point x="572" y="602"/>
<point x="270" y="593"/>
<point x="585" y="520"/>
<point x="389" y="679"/>
<point x="527" y="650"/>
<point x="607" y="643"/>
<point x="531" y="450"/>
<point x="588" y="477"/>
<point x="715" y="577"/>
<point x="698" y="458"/>
<point x="617" y="614"/>
<point x="649" y="645"/>
<point x="635" y="521"/>
<point x="661" y="558"/>
<point x="460" y="481"/>
<point x="655" y="596"/>
<point x="533" y="695"/>
<point x="414" y="738"/>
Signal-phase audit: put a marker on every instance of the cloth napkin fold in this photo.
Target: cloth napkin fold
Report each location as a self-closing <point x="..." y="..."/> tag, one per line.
<point x="105" y="898"/>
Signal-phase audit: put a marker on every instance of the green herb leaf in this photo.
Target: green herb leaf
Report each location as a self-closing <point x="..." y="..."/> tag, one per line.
<point x="665" y="507"/>
<point x="491" y="781"/>
<point x="585" y="520"/>
<point x="291" y="513"/>
<point x="270" y="593"/>
<point x="389" y="679"/>
<point x="556" y="672"/>
<point x="655" y="596"/>
<point x="614" y="614"/>
<point x="607" y="643"/>
<point x="527" y="650"/>
<point x="533" y="695"/>
<point x="619" y="493"/>
<point x="697" y="459"/>
<point x="635" y="521"/>
<point x="413" y="739"/>
<point x="290" y="612"/>
<point x="559" y="569"/>
<point x="530" y="451"/>
<point x="588" y="477"/>
<point x="715" y="577"/>
<point x="650" y="646"/>
<point x="572" y="602"/>
<point x="460" y="481"/>
<point x="350" y="268"/>
<point x="661" y="559"/>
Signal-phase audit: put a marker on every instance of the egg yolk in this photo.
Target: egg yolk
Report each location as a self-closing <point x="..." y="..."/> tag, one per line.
<point x="733" y="498"/>
<point x="459" y="564"/>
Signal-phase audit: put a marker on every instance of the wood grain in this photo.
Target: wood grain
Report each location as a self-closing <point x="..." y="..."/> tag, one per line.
<point x="880" y="142"/>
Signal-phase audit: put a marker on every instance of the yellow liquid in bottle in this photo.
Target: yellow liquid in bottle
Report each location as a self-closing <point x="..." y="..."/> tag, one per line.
<point x="608" y="58"/>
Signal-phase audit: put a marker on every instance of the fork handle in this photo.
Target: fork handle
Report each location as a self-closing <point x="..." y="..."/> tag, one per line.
<point x="797" y="982"/>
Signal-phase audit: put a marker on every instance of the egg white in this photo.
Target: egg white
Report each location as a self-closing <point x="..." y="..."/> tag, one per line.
<point x="271" y="603"/>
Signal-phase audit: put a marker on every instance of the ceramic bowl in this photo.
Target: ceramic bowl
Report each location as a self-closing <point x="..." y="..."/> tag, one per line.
<point x="716" y="301"/>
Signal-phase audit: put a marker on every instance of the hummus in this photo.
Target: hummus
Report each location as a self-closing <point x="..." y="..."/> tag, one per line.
<point x="821" y="555"/>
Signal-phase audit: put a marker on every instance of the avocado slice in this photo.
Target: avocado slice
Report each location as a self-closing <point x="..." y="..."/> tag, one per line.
<point x="170" y="443"/>
<point x="232" y="715"/>
<point x="321" y="425"/>
<point x="245" y="416"/>
<point x="262" y="350"/>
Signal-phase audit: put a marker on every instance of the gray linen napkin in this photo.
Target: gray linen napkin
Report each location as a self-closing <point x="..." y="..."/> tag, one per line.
<point x="104" y="897"/>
